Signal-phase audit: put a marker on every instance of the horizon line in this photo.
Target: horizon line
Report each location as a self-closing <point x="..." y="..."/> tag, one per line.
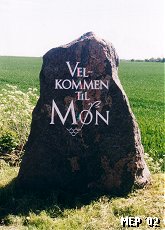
<point x="122" y="58"/>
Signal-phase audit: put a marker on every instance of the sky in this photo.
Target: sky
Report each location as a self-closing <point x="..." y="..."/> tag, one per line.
<point x="32" y="27"/>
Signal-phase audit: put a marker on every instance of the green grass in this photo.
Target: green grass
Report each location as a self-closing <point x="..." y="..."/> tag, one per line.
<point x="142" y="81"/>
<point x="33" y="211"/>
<point x="20" y="71"/>
<point x="144" y="85"/>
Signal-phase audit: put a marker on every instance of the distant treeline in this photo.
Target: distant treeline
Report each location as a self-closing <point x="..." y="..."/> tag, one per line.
<point x="149" y="60"/>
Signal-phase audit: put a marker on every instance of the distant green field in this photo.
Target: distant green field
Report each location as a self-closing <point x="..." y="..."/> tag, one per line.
<point x="20" y="71"/>
<point x="143" y="83"/>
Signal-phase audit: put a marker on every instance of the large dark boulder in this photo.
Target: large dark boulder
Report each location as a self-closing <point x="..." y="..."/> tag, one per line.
<point x="62" y="152"/>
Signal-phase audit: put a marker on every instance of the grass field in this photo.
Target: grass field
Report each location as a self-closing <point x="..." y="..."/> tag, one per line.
<point x="20" y="71"/>
<point x="143" y="83"/>
<point x="33" y="211"/>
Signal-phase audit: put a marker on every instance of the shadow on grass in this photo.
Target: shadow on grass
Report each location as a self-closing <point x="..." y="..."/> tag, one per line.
<point x="18" y="202"/>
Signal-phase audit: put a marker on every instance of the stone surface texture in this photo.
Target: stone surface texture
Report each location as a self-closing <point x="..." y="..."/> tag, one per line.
<point x="107" y="158"/>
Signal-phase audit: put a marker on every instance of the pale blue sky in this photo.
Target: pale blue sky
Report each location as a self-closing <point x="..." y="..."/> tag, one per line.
<point x="32" y="27"/>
